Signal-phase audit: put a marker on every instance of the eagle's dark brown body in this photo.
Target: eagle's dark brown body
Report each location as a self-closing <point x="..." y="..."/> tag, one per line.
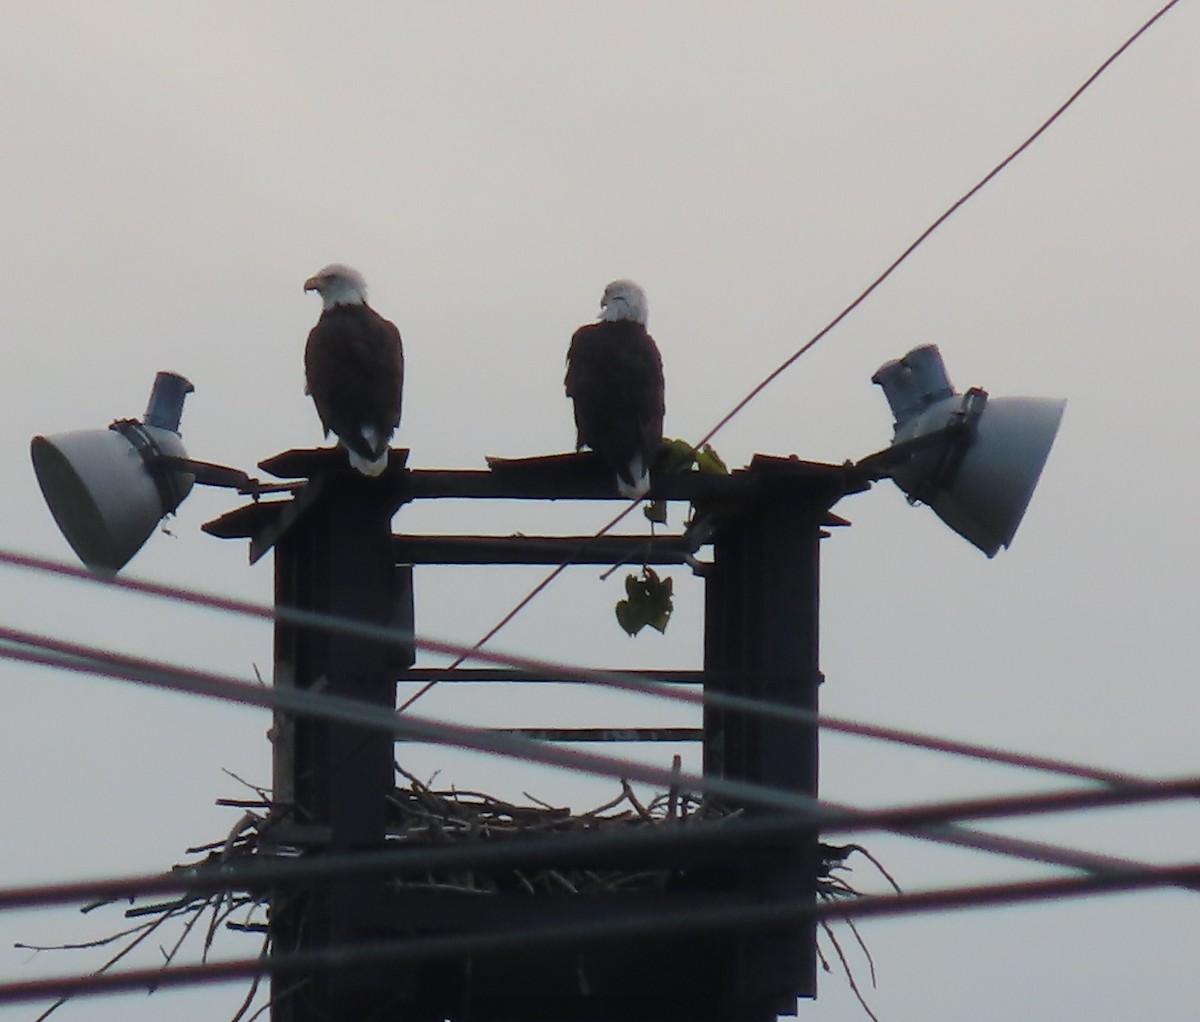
<point x="615" y="378"/>
<point x="354" y="370"/>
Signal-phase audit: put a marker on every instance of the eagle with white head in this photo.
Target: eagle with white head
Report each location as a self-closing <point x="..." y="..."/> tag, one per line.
<point x="354" y="368"/>
<point x="615" y="379"/>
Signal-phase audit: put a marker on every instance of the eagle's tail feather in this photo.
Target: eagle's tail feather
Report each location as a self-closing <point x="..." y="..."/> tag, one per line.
<point x="374" y="445"/>
<point x="634" y="482"/>
<point x="367" y="466"/>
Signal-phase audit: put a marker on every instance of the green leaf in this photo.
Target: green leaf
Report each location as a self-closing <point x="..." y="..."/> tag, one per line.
<point x="656" y="512"/>
<point x="674" y="456"/>
<point x="707" y="460"/>
<point x="660" y="599"/>
<point x="649" y="602"/>
<point x="629" y="619"/>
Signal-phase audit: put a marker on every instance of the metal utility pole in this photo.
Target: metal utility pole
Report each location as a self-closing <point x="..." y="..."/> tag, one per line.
<point x="761" y="640"/>
<point x="335" y="553"/>
<point x="335" y="778"/>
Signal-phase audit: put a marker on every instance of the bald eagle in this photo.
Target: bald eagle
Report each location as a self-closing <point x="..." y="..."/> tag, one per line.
<point x="615" y="379"/>
<point x="354" y="368"/>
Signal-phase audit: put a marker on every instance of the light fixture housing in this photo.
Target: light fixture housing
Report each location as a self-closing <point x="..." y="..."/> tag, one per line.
<point x="109" y="488"/>
<point x="974" y="459"/>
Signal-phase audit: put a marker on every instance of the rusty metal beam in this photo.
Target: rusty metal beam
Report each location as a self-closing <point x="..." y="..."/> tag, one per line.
<point x="476" y="675"/>
<point x="607" y="734"/>
<point x="604" y="550"/>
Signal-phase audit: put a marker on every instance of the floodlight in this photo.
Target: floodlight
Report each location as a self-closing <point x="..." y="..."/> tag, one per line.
<point x="109" y="488"/>
<point x="974" y="459"/>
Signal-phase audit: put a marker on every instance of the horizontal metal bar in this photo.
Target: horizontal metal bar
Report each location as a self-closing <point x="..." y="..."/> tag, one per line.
<point x="576" y="475"/>
<point x="606" y="550"/>
<point x="584" y="477"/>
<point x="469" y="483"/>
<point x="607" y="734"/>
<point x="509" y="674"/>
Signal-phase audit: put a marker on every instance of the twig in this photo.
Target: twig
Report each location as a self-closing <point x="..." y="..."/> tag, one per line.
<point x="110" y="963"/>
<point x="168" y="907"/>
<point x="604" y="808"/>
<point x="836" y="887"/>
<point x="846" y="969"/>
<point x="248" y="927"/>
<point x="219" y="917"/>
<point x="86" y="945"/>
<point x="437" y="885"/>
<point x="261" y="792"/>
<point x="558" y="878"/>
<point x="865" y="950"/>
<point x="822" y="959"/>
<point x="673" y="790"/>
<point x="245" y="1005"/>
<point x="874" y="861"/>
<point x="417" y="784"/>
<point x="197" y="914"/>
<point x="247" y="821"/>
<point x="281" y="996"/>
<point x="544" y="805"/>
<point x="633" y="800"/>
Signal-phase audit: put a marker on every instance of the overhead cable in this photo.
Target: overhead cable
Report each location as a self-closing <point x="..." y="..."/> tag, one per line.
<point x="546" y="668"/>
<point x="632" y="844"/>
<point x="141" y="671"/>
<point x="662" y="922"/>
<point x="854" y="304"/>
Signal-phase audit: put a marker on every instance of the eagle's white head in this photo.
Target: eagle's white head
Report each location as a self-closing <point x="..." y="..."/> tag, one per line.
<point x="623" y="299"/>
<point x="338" y="284"/>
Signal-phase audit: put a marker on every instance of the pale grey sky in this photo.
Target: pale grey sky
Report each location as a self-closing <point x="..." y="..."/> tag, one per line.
<point x="171" y="174"/>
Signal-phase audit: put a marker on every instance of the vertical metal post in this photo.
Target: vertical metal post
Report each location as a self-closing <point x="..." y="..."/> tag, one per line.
<point x="336" y="559"/>
<point x="761" y="640"/>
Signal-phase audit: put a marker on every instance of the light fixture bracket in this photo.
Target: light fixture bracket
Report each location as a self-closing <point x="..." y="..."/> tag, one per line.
<point x="167" y="479"/>
<point x="959" y="432"/>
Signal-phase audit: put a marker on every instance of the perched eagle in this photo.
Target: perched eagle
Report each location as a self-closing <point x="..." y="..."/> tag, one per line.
<point x="354" y="368"/>
<point x="615" y="378"/>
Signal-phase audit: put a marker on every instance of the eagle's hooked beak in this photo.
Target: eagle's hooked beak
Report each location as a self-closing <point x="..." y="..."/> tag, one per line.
<point x="312" y="284"/>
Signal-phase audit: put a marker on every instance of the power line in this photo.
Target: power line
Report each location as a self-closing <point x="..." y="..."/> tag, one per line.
<point x="528" y="598"/>
<point x="558" y="850"/>
<point x="1118" y="879"/>
<point x="857" y="301"/>
<point x="924" y="235"/>
<point x="516" y="747"/>
<point x="718" y="918"/>
<point x="611" y="679"/>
